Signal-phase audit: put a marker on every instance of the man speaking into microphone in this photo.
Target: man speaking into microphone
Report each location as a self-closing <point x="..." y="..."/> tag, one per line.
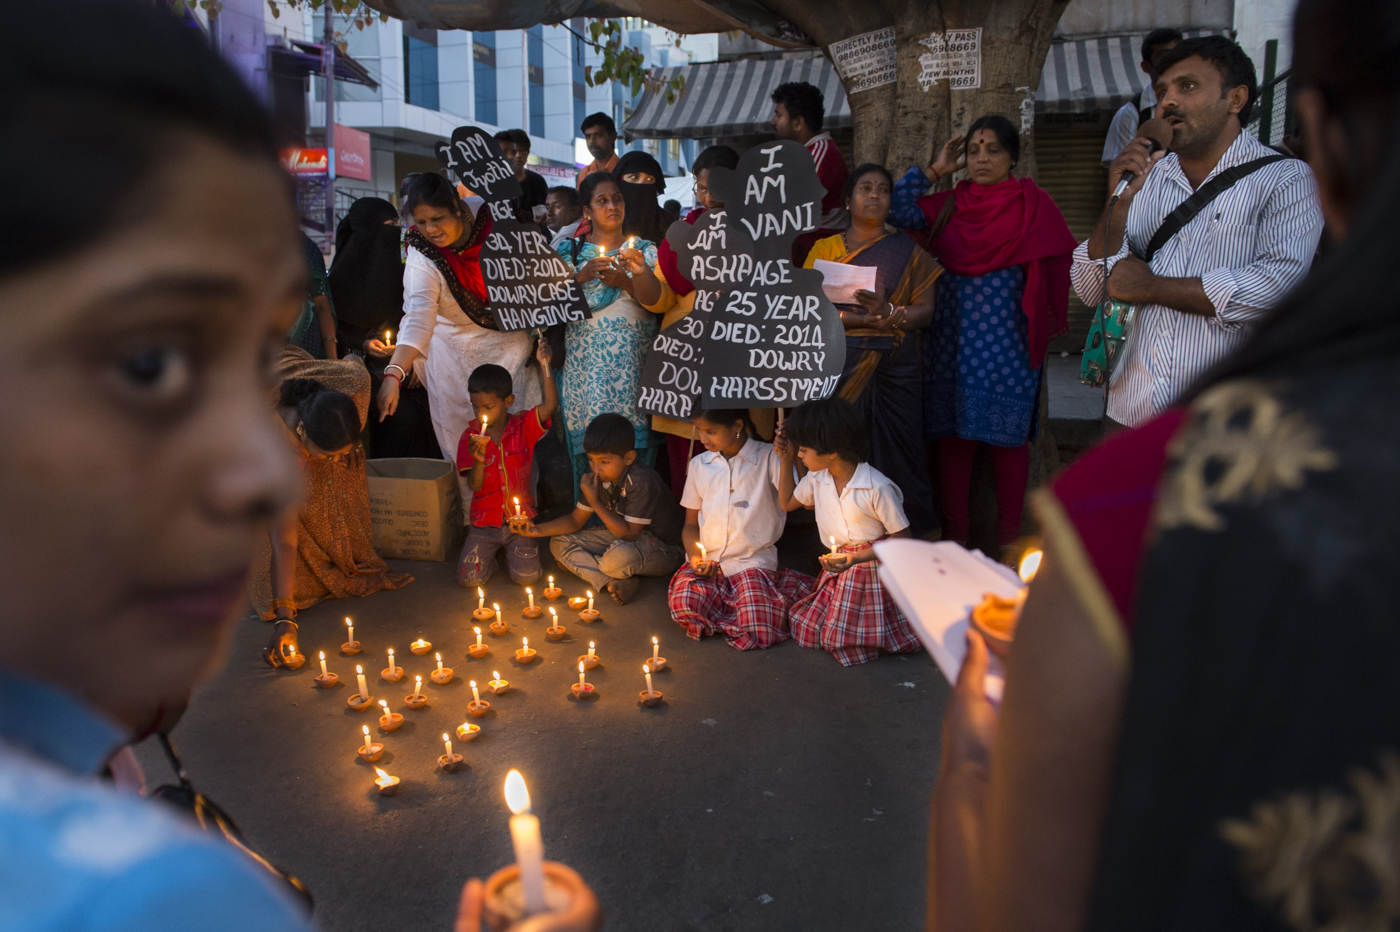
<point x="1207" y="235"/>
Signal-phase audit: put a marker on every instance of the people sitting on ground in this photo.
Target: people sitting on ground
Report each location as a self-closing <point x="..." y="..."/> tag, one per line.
<point x="563" y="211"/>
<point x="732" y="584"/>
<point x="604" y="354"/>
<point x="641" y="523"/>
<point x="848" y="612"/>
<point x="1004" y="296"/>
<point x="798" y="113"/>
<point x="529" y="206"/>
<point x="882" y="375"/>
<point x="600" y="136"/>
<point x="495" y="456"/>
<point x="324" y="549"/>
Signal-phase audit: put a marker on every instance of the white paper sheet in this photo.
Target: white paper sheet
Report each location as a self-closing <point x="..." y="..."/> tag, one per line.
<point x="841" y="281"/>
<point x="937" y="585"/>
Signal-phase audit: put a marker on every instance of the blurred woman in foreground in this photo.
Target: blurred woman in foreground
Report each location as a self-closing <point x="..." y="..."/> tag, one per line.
<point x="1201" y="724"/>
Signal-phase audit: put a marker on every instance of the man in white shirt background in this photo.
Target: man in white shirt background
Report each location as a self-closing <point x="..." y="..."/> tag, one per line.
<point x="563" y="211"/>
<point x="1207" y="286"/>
<point x="1138" y="111"/>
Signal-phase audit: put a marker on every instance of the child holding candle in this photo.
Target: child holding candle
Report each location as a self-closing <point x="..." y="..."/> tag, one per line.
<point x="641" y="523"/>
<point x="849" y="613"/>
<point x="734" y="586"/>
<point x="496" y="459"/>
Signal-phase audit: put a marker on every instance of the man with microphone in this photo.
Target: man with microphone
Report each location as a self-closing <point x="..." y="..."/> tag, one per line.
<point x="1205" y="231"/>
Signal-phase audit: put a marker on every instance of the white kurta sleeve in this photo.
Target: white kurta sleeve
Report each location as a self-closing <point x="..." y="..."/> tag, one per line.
<point x="422" y="292"/>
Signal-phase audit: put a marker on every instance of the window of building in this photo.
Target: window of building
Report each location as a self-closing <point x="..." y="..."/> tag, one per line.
<point x="673" y="149"/>
<point x="534" y="47"/>
<point x="420" y="66"/>
<point x="484" y="75"/>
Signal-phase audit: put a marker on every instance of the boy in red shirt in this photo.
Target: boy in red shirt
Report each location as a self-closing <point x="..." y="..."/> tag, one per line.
<point x="496" y="461"/>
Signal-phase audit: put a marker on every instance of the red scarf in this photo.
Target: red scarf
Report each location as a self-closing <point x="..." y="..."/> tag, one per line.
<point x="669" y="262"/>
<point x="997" y="226"/>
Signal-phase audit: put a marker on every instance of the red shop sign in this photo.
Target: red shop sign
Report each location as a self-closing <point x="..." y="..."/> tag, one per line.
<point x="306" y="163"/>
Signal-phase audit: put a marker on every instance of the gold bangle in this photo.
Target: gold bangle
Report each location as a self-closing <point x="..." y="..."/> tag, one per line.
<point x="285" y="603"/>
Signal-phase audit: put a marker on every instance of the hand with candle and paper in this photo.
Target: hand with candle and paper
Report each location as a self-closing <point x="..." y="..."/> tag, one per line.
<point x="584" y="913"/>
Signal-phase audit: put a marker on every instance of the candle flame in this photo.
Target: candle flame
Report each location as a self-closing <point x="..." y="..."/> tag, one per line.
<point x="419" y="680"/>
<point x="526" y="642"/>
<point x="480" y="594"/>
<point x="438" y="655"/>
<point x="590" y="645"/>
<point x="349" y="623"/>
<point x="386" y="336"/>
<point x="382" y="774"/>
<point x="323" y="655"/>
<point x="551" y="581"/>
<point x="497" y="607"/>
<point x="359" y="669"/>
<point x="471" y="683"/>
<point x="655" y="641"/>
<point x="1030" y="565"/>
<point x="580" y="666"/>
<point x="646" y="668"/>
<point x="444" y="737"/>
<point x="589" y="593"/>
<point x="527" y="590"/>
<point x="496" y="674"/>
<point x="517" y="794"/>
<point x="365" y="729"/>
<point x="554" y="613"/>
<point x="516" y="499"/>
<point x="384" y="705"/>
<point x="476" y="630"/>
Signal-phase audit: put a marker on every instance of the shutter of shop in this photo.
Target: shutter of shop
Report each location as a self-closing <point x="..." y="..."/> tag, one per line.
<point x="1069" y="169"/>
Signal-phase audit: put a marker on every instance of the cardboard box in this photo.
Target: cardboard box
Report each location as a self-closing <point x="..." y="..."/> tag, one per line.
<point x="415" y="507"/>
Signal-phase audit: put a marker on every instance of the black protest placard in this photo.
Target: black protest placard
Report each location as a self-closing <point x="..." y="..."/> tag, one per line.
<point x="773" y="339"/>
<point x="528" y="284"/>
<point x="478" y="162"/>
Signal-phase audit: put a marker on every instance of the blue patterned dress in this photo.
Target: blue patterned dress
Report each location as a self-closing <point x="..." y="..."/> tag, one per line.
<point x="604" y="356"/>
<point x="978" y="382"/>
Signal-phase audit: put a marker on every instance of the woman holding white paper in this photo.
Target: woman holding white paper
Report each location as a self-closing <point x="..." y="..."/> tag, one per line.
<point x="882" y="376"/>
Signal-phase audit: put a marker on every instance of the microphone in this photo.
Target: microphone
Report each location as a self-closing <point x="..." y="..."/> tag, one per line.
<point x="1155" y="129"/>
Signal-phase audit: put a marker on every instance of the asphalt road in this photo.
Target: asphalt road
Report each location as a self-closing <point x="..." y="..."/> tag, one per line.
<point x="773" y="790"/>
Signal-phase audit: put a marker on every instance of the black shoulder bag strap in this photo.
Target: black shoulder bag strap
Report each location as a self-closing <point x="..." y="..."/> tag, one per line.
<point x="1197" y="202"/>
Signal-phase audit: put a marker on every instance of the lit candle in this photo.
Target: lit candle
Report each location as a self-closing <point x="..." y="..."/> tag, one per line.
<point x="360" y="678"/>
<point x="529" y="847"/>
<point x="497" y="607"/>
<point x="525" y="643"/>
<point x="393" y="670"/>
<point x="476" y="696"/>
<point x="553" y="617"/>
<point x="351" y="625"/>
<point x="703" y="558"/>
<point x="531" y="596"/>
<point x="323" y="663"/>
<point x="589" y="593"/>
<point x="417" y="686"/>
<point x="439" y="660"/>
<point x="833" y="545"/>
<point x="385" y="782"/>
<point x="385" y="706"/>
<point x="1030" y="565"/>
<point x="480" y="599"/>
<point x="655" y="649"/>
<point x="478" y="636"/>
<point x="647" y="670"/>
<point x="517" y="506"/>
<point x="551" y="582"/>
<point x="291" y="653"/>
<point x="447" y="743"/>
<point x="590" y="650"/>
<point x="365" y="729"/>
<point x="483" y="425"/>
<point x="388" y="338"/>
<point x="580" y="674"/>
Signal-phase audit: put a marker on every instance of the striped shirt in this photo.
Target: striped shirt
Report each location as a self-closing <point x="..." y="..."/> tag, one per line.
<point x="1249" y="247"/>
<point x="831" y="171"/>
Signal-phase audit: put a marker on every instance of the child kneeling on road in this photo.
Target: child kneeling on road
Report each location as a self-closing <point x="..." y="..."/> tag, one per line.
<point x="641" y="529"/>
<point x="849" y="613"/>
<point x="497" y="462"/>
<point x="732" y="584"/>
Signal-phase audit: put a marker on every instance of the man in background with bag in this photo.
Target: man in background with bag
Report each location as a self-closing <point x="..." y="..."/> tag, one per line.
<point x="1219" y="226"/>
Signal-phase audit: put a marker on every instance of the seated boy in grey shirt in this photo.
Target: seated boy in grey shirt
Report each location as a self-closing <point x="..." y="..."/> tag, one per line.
<point x="641" y="522"/>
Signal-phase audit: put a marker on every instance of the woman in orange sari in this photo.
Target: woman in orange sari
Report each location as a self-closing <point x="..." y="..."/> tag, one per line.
<point x="882" y="376"/>
<point x="324" y="550"/>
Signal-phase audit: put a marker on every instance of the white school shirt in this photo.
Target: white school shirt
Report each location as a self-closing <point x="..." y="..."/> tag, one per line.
<point x="869" y="507"/>
<point x="1250" y="247"/>
<point x="740" y="518"/>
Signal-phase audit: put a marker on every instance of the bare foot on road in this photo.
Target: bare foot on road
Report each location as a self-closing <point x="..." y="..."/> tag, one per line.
<point x="622" y="590"/>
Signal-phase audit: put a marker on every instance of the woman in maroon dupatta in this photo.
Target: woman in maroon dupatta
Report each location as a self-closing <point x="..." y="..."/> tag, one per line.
<point x="1006" y="248"/>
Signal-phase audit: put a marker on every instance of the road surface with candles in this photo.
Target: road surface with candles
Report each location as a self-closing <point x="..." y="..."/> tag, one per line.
<point x="769" y="790"/>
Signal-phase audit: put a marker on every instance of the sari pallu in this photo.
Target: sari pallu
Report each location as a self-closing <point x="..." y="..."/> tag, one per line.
<point x="883" y="377"/>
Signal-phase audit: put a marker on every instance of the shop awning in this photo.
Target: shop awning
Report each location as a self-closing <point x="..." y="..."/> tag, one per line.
<point x="1100" y="73"/>
<point x="733" y="98"/>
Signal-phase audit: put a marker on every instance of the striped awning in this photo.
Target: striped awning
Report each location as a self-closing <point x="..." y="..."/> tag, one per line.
<point x="1101" y="73"/>
<point x="733" y="98"/>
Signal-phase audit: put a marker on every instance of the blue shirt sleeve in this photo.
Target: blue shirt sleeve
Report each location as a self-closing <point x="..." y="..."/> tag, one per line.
<point x="905" y="211"/>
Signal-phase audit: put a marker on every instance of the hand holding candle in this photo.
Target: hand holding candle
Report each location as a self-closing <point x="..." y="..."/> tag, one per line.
<point x="529" y="847"/>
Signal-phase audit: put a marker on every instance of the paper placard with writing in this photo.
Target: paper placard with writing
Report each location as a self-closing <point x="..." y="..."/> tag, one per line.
<point x="527" y="283"/>
<point x="865" y="61"/>
<point x="954" y="56"/>
<point x="477" y="161"/>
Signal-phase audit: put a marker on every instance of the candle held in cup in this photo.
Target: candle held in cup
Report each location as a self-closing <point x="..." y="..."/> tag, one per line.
<point x="656" y="649"/>
<point x="531" y="596"/>
<point x="833" y="549"/>
<point x="392" y="669"/>
<point x="417" y="686"/>
<point x="447" y="743"/>
<point x="581" y="684"/>
<point x="476" y="695"/>
<point x="439" y="660"/>
<point x="529" y="847"/>
<point x="323" y="663"/>
<point x="483" y="425"/>
<point x="360" y="679"/>
<point x="517" y="507"/>
<point x="478" y="636"/>
<point x="647" y="670"/>
<point x="590" y="649"/>
<point x="388" y="338"/>
<point x="351" y="625"/>
<point x="589" y="593"/>
<point x="480" y="599"/>
<point x="703" y="558"/>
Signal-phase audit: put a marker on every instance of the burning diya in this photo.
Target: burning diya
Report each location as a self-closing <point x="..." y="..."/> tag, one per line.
<point x="482" y="613"/>
<point x="442" y="675"/>
<point x="478" y="649"/>
<point x="360" y="700"/>
<point x="589" y="614"/>
<point x="291" y="659"/>
<point x="555" y="631"/>
<point x="526" y="654"/>
<point x="532" y="610"/>
<point x="388" y="785"/>
<point x="500" y="625"/>
<point x="421" y="647"/>
<point x="327" y="679"/>
<point x="497" y="685"/>
<point x="477" y="707"/>
<point x="392" y="673"/>
<point x="552" y="592"/>
<point x="467" y="731"/>
<point x="449" y="761"/>
<point x="577" y="602"/>
<point x="369" y="752"/>
<point x="590" y="659"/>
<point x="389" y="721"/>
<point x="657" y="662"/>
<point x="582" y="690"/>
<point x="351" y="647"/>
<point x="648" y="697"/>
<point x="417" y="700"/>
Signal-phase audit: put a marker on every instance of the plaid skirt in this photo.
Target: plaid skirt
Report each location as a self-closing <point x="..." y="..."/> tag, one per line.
<point x="749" y="608"/>
<point x="851" y="615"/>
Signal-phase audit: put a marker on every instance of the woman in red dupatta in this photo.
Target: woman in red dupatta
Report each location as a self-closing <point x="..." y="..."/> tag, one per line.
<point x="1006" y="248"/>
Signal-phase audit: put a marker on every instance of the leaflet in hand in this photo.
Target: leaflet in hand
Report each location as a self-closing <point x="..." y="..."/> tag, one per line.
<point x="841" y="281"/>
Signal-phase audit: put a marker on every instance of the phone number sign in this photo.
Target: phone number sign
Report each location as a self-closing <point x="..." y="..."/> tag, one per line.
<point x="954" y="56"/>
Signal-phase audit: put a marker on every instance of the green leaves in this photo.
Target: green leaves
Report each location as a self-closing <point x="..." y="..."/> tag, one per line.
<point x="623" y="64"/>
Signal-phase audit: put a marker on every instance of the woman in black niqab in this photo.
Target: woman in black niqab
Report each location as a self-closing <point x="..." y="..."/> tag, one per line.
<point x="645" y="217"/>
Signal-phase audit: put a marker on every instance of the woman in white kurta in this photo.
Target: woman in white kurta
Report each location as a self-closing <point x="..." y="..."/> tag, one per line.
<point x="447" y="329"/>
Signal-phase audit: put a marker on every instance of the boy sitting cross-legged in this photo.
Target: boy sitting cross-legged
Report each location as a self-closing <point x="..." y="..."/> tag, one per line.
<point x="641" y="529"/>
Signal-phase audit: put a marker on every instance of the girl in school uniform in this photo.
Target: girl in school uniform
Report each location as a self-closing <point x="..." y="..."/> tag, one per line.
<point x="731" y="584"/>
<point x="848" y="613"/>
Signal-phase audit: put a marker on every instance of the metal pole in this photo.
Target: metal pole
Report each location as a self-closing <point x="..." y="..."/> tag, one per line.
<point x="1266" y="102"/>
<point x="525" y="77"/>
<point x="329" y="54"/>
